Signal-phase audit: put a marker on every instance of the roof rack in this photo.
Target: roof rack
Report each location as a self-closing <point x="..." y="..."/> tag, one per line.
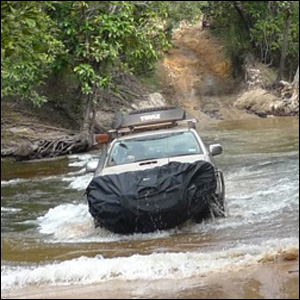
<point x="146" y="120"/>
<point x="190" y="123"/>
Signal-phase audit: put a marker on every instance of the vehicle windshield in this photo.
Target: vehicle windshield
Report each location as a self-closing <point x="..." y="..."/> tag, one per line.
<point x="154" y="147"/>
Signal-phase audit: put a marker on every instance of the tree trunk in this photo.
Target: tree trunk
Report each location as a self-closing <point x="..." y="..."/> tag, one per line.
<point x="238" y="5"/>
<point x="88" y="123"/>
<point x="295" y="97"/>
<point x="296" y="79"/>
<point x="88" y="115"/>
<point x="284" y="46"/>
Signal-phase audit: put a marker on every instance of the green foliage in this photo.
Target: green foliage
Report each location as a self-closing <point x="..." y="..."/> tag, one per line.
<point x="28" y="48"/>
<point x="104" y="38"/>
<point x="95" y="40"/>
<point x="98" y="40"/>
<point x="268" y="28"/>
<point x="185" y="10"/>
<point x="257" y="26"/>
<point x="227" y="24"/>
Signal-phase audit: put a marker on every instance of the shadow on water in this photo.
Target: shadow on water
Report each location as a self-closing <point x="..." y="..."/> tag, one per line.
<point x="35" y="168"/>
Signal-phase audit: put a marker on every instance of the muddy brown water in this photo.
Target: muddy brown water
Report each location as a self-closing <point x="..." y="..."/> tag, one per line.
<point x="49" y="244"/>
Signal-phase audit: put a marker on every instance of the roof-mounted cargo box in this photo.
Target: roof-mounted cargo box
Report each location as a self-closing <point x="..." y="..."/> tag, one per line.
<point x="148" y="116"/>
<point x="151" y="118"/>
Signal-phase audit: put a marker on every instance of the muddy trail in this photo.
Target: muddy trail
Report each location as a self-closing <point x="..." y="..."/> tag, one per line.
<point x="197" y="75"/>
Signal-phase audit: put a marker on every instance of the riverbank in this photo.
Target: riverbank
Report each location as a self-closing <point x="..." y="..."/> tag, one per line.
<point x="195" y="75"/>
<point x="261" y="281"/>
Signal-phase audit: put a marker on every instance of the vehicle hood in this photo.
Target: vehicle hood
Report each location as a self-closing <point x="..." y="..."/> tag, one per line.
<point x="148" y="164"/>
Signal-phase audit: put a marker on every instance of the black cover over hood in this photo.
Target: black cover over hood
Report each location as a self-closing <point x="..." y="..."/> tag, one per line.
<point x="152" y="199"/>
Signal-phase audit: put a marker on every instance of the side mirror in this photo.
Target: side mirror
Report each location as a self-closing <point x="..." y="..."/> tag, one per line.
<point x="91" y="166"/>
<point x="215" y="149"/>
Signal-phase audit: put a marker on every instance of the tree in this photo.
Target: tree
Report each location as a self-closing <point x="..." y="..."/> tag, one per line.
<point x="296" y="80"/>
<point x="104" y="39"/>
<point x="270" y="29"/>
<point x="28" y="48"/>
<point x="285" y="42"/>
<point x="185" y="10"/>
<point x="238" y="5"/>
<point x="95" y="41"/>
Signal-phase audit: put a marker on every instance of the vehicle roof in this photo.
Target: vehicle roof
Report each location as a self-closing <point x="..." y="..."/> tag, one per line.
<point x="152" y="132"/>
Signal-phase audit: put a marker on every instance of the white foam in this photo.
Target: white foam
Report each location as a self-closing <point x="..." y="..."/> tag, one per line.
<point x="13" y="181"/>
<point x="9" y="210"/>
<point x="81" y="163"/>
<point x="85" y="156"/>
<point x="79" y="172"/>
<point x="79" y="182"/>
<point x="87" y="270"/>
<point x="81" y="159"/>
<point x="73" y="223"/>
<point x="17" y="181"/>
<point x="66" y="222"/>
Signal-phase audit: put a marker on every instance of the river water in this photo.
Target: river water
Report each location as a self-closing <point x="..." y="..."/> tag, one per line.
<point x="48" y="238"/>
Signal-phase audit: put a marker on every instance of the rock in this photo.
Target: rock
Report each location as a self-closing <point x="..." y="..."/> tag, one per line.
<point x="258" y="101"/>
<point x="153" y="100"/>
<point x="262" y="103"/>
<point x="103" y="121"/>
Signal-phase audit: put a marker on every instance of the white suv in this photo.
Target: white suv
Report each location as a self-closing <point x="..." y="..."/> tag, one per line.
<point x="154" y="154"/>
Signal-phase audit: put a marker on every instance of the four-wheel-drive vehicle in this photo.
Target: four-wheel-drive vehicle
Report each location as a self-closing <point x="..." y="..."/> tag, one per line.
<point x="154" y="173"/>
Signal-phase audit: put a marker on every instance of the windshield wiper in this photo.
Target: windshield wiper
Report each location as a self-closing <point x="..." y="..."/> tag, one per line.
<point x="158" y="137"/>
<point x="123" y="145"/>
<point x="143" y="159"/>
<point x="185" y="154"/>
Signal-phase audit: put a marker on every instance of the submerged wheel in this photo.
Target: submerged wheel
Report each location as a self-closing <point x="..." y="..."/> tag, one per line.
<point x="219" y="202"/>
<point x="213" y="209"/>
<point x="217" y="207"/>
